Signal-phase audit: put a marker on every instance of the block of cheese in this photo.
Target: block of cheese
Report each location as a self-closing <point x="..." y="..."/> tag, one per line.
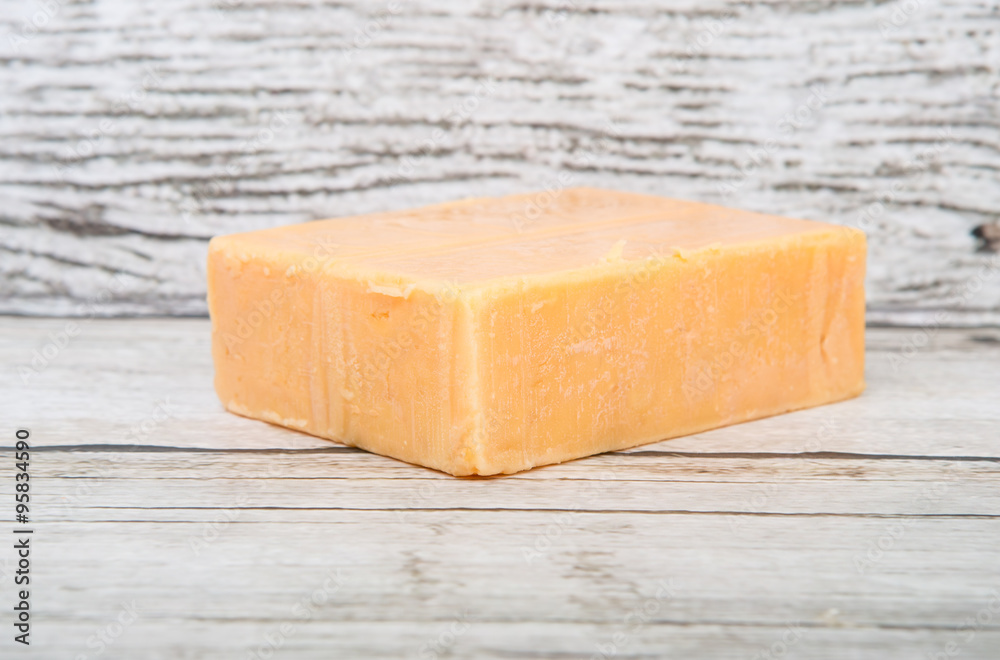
<point x="489" y="336"/>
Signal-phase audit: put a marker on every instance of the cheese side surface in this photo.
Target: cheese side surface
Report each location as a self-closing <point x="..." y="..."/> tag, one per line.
<point x="490" y="336"/>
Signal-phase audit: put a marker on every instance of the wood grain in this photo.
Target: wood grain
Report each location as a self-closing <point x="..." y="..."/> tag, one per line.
<point x="130" y="132"/>
<point x="864" y="529"/>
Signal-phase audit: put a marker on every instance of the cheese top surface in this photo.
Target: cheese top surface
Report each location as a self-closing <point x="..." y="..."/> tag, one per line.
<point x="476" y="241"/>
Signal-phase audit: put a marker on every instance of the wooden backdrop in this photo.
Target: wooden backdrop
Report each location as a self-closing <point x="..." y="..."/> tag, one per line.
<point x="134" y="130"/>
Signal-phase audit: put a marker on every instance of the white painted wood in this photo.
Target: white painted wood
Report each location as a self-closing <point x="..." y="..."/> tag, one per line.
<point x="866" y="529"/>
<point x="130" y="132"/>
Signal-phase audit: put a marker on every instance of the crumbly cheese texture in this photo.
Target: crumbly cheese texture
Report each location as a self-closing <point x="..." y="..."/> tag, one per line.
<point x="490" y="336"/>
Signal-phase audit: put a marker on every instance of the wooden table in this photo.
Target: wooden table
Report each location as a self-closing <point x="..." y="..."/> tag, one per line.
<point x="165" y="527"/>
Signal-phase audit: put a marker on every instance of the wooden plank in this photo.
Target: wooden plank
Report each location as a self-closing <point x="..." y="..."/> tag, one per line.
<point x="133" y="131"/>
<point x="866" y="529"/>
<point x="404" y="580"/>
<point x="966" y="491"/>
<point x="660" y="483"/>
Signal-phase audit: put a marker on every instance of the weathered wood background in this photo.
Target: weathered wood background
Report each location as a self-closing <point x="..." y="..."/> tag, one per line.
<point x="132" y="131"/>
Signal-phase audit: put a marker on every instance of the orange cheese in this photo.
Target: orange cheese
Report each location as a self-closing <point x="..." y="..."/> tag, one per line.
<point x="490" y="336"/>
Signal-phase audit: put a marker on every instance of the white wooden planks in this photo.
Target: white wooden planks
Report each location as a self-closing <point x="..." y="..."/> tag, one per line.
<point x="866" y="529"/>
<point x="130" y="132"/>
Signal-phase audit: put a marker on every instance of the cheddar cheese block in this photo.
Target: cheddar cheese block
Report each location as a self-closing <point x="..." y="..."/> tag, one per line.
<point x="490" y="336"/>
